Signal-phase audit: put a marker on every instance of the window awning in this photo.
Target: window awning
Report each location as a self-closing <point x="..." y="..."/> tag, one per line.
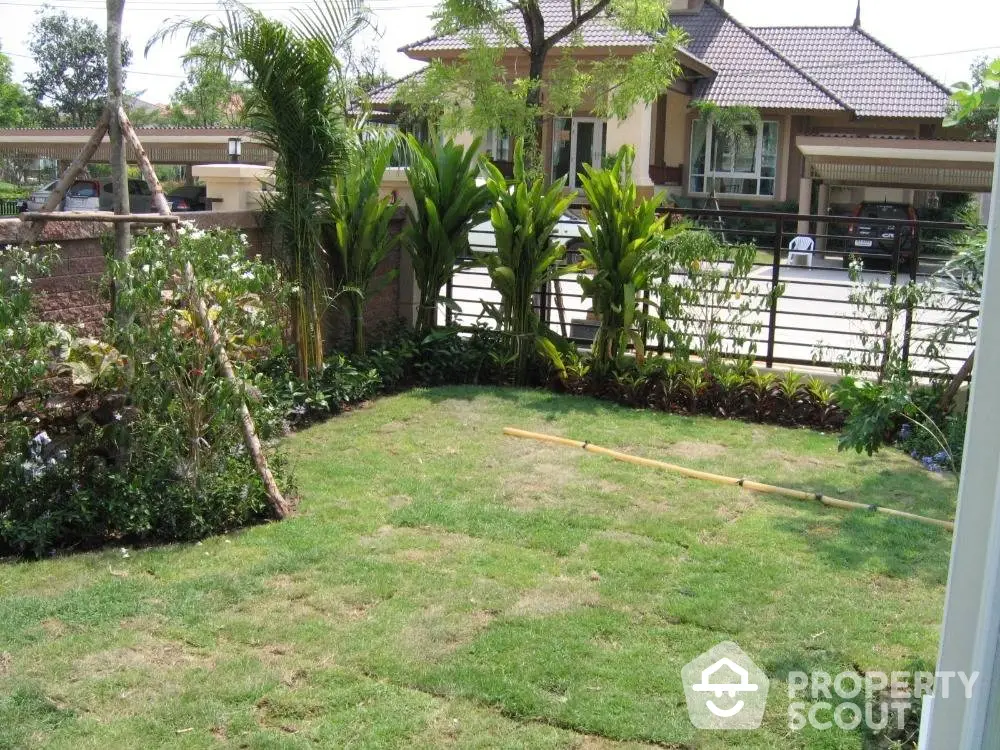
<point x="923" y="164"/>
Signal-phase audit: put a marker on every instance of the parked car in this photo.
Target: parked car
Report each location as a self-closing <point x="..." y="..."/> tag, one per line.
<point x="140" y="197"/>
<point x="866" y="239"/>
<point x="189" y="198"/>
<point x="83" y="195"/>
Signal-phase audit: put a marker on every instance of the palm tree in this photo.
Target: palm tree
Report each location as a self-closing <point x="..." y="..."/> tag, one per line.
<point x="294" y="105"/>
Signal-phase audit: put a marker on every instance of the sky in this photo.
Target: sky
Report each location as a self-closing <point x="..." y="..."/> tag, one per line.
<point x="943" y="37"/>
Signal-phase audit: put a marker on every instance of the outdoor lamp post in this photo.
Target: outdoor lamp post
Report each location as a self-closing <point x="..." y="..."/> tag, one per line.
<point x="235" y="149"/>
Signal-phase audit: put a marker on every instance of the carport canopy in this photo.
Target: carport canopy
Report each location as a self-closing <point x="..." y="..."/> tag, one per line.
<point x="909" y="163"/>
<point x="163" y="145"/>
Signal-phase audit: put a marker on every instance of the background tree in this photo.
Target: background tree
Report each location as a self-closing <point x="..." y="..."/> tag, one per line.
<point x="294" y="104"/>
<point x="71" y="80"/>
<point x="210" y="94"/>
<point x="478" y="94"/>
<point x="976" y="105"/>
<point x="17" y="108"/>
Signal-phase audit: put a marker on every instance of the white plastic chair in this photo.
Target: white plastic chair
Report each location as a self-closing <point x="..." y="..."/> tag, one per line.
<point x="800" y="251"/>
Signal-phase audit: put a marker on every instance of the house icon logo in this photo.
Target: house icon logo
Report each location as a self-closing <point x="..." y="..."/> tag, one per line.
<point x="725" y="689"/>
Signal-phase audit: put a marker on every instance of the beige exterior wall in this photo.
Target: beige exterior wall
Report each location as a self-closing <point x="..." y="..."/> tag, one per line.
<point x="676" y="141"/>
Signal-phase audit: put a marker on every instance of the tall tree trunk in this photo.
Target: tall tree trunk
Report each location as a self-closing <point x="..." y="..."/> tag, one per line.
<point x="119" y="165"/>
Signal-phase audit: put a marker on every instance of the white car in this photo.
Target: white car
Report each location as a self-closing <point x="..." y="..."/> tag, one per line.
<point x="482" y="239"/>
<point x="83" y="195"/>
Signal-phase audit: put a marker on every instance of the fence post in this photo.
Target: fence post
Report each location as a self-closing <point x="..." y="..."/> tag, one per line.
<point x="449" y="295"/>
<point x="779" y="241"/>
<point x="908" y="318"/>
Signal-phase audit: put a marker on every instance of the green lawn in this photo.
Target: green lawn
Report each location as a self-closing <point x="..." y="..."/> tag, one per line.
<point x="444" y="585"/>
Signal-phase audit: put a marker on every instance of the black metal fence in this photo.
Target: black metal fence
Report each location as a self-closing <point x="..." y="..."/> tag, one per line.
<point x="813" y="322"/>
<point x="10" y="208"/>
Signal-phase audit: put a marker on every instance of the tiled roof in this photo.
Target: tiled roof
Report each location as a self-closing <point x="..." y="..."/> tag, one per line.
<point x="872" y="79"/>
<point x="600" y="31"/>
<point x="383" y="96"/>
<point x="749" y="70"/>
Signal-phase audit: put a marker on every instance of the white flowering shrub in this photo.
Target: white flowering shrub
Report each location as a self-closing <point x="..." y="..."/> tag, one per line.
<point x="160" y="453"/>
<point x="24" y="341"/>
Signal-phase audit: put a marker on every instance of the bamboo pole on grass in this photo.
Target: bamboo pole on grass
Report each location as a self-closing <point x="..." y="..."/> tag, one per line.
<point x="746" y="484"/>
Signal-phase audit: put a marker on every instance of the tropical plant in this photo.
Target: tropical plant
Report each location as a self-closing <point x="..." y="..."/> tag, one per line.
<point x="620" y="252"/>
<point x="448" y="203"/>
<point x="721" y="309"/>
<point x="294" y="105"/>
<point x="524" y="216"/>
<point x="358" y="234"/>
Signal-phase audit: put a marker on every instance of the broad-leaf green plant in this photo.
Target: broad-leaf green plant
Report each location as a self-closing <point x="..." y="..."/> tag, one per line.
<point x="621" y="255"/>
<point x="448" y="201"/>
<point x="527" y="258"/>
<point x="359" y="235"/>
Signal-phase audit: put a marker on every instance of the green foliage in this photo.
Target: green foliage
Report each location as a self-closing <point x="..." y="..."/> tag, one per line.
<point x="620" y="245"/>
<point x="976" y="105"/>
<point x="718" y="302"/>
<point x="209" y="94"/>
<point x="71" y="76"/>
<point x="146" y="444"/>
<point x="875" y="411"/>
<point x="443" y="178"/>
<point x="24" y="341"/>
<point x="295" y="105"/>
<point x="17" y="108"/>
<point x="358" y="234"/>
<point x="524" y="216"/>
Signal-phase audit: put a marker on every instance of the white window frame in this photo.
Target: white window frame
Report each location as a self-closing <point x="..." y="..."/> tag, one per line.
<point x="597" y="155"/>
<point x="709" y="175"/>
<point x="492" y="145"/>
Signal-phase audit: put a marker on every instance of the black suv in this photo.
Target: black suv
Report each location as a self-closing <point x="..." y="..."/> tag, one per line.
<point x="867" y="239"/>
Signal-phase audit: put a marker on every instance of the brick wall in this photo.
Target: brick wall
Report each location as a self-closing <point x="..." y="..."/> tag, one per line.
<point x="72" y="294"/>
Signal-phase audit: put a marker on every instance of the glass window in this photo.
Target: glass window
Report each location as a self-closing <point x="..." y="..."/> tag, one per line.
<point x="499" y="146"/>
<point x="562" y="136"/>
<point x="746" y="165"/>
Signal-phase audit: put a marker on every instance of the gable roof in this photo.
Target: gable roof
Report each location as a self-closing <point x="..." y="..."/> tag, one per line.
<point x="599" y="31"/>
<point x="871" y="78"/>
<point x="749" y="70"/>
<point x="794" y="68"/>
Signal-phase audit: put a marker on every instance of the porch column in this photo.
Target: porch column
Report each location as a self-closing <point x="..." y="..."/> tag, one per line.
<point x="805" y="203"/>
<point x="823" y="209"/>
<point x="635" y="130"/>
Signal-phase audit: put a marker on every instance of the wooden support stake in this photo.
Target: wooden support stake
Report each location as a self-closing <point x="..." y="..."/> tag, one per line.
<point x="132" y="138"/>
<point x="278" y="502"/>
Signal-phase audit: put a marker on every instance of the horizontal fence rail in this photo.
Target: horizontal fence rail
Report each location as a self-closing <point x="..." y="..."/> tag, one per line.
<point x="812" y="323"/>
